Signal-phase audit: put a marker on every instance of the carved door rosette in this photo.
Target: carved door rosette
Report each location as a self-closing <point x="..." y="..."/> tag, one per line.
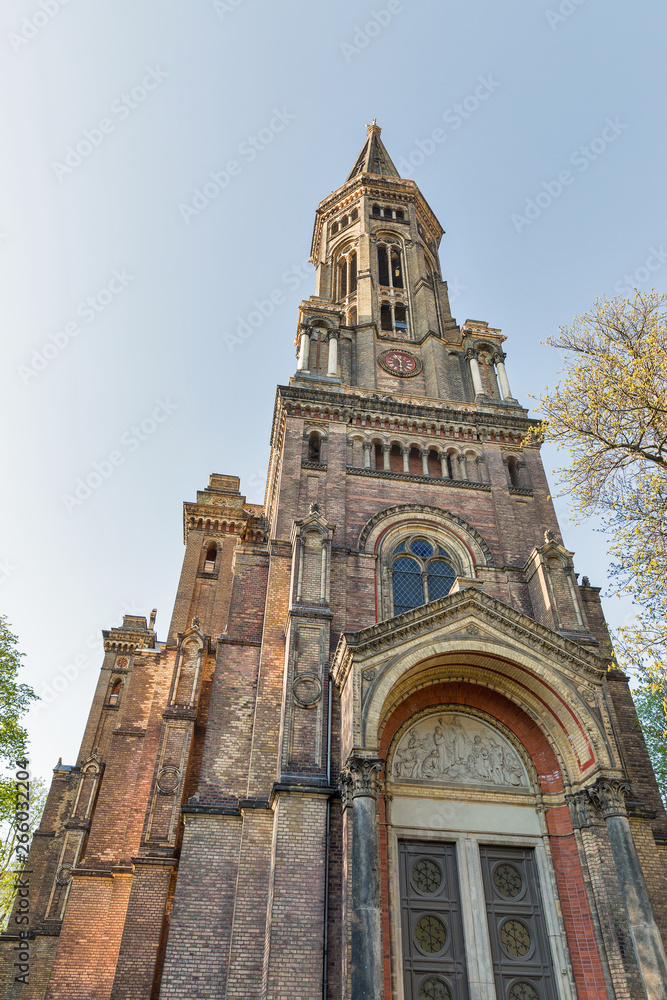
<point x="358" y="779"/>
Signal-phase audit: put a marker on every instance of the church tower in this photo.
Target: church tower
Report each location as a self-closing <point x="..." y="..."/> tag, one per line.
<point x="383" y="752"/>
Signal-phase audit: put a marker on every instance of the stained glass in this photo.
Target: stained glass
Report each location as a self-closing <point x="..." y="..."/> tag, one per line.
<point x="441" y="576"/>
<point x="422" y="548"/>
<point x="408" y="589"/>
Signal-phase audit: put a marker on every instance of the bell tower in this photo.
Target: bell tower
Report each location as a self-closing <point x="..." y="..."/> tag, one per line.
<point x="380" y="318"/>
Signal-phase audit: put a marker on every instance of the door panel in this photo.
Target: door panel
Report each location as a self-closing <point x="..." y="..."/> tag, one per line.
<point x="433" y="952"/>
<point x="519" y="943"/>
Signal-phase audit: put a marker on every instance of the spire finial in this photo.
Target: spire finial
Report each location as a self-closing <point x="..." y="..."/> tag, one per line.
<point x="373" y="127"/>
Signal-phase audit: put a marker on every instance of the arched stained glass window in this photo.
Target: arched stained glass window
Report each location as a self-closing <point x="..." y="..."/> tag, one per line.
<point x="408" y="589"/>
<point x="421" y="572"/>
<point x="441" y="576"/>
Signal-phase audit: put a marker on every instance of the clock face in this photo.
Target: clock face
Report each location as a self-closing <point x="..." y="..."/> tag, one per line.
<point x="400" y="363"/>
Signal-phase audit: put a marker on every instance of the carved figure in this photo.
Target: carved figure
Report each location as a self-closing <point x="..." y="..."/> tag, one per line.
<point x="457" y="749"/>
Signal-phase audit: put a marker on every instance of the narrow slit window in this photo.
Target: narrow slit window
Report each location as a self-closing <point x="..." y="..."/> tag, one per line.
<point x="342" y="271"/>
<point x="383" y="266"/>
<point x="401" y="318"/>
<point x="353" y="273"/>
<point x="385" y="316"/>
<point x="396" y="269"/>
<point x="209" y="562"/>
<point x="314" y="447"/>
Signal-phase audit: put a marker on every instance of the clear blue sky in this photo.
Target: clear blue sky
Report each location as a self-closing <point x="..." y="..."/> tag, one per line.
<point x="114" y="114"/>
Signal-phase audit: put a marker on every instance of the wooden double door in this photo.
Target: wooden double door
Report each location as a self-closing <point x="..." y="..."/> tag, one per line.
<point x="434" y="947"/>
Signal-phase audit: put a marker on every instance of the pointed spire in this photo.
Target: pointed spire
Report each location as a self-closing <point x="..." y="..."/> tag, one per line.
<point x="374" y="158"/>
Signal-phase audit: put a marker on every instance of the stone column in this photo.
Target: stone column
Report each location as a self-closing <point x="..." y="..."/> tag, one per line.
<point x="443" y="465"/>
<point x="499" y="359"/>
<point x="360" y="790"/>
<point x="424" y="457"/>
<point x="332" y="367"/>
<point x="304" y="348"/>
<point x="406" y="459"/>
<point x="386" y="448"/>
<point x="367" y="454"/>
<point x="463" y="472"/>
<point x="474" y="371"/>
<point x="608" y="794"/>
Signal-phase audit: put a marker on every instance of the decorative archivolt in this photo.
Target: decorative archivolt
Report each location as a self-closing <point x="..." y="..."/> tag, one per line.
<point x="464" y="541"/>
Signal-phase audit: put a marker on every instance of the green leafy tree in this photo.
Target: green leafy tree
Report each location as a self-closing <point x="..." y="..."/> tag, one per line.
<point x="651" y="705"/>
<point x="15" y="699"/>
<point x="610" y="411"/>
<point x="9" y="840"/>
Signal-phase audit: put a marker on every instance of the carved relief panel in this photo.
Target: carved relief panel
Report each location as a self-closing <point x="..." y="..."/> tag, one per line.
<point x="450" y="748"/>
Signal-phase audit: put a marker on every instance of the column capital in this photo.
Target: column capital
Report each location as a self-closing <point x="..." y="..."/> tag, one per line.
<point x="472" y="353"/>
<point x="608" y="795"/>
<point x="582" y="810"/>
<point x="499" y="357"/>
<point x="358" y="778"/>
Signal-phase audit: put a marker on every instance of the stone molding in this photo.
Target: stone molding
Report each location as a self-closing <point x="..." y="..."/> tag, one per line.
<point x="446" y="517"/>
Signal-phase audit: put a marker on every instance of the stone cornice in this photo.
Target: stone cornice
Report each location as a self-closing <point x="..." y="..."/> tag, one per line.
<point x="353" y="400"/>
<point x="465" y="484"/>
<point x="425" y="620"/>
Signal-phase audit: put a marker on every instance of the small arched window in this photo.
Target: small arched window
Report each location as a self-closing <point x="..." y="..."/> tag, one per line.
<point x="400" y="214"/>
<point x="354" y="214"/>
<point x="513" y="470"/>
<point x="334" y="228"/>
<point x="376" y="211"/>
<point x="209" y="561"/>
<point x="344" y="221"/>
<point x="314" y="447"/>
<point x="422" y="571"/>
<point x="115" y="693"/>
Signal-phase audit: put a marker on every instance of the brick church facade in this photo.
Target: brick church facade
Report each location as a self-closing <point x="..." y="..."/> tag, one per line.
<point x="382" y="752"/>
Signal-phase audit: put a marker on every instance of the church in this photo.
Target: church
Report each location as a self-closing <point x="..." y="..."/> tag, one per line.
<point x="383" y="752"/>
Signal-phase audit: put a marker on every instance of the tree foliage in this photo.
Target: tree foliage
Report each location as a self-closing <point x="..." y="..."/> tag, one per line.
<point x="15" y="698"/>
<point x="651" y="705"/>
<point x="9" y="840"/>
<point x="610" y="412"/>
